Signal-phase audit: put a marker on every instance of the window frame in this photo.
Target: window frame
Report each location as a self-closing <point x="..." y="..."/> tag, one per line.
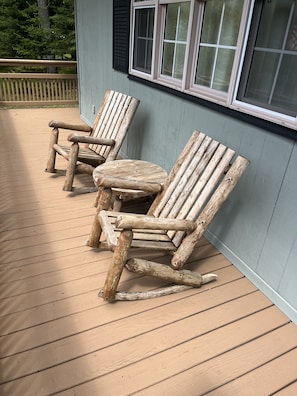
<point x="186" y="85"/>
<point x="263" y="113"/>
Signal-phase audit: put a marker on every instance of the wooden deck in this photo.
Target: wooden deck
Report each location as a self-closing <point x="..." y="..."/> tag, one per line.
<point x="58" y="337"/>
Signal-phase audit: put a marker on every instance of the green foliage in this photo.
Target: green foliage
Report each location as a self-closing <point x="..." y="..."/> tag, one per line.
<point x="23" y="33"/>
<point x="8" y="27"/>
<point x="31" y="43"/>
<point x="63" y="42"/>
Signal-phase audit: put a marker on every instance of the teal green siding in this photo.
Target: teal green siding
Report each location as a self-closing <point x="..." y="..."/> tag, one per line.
<point x="257" y="228"/>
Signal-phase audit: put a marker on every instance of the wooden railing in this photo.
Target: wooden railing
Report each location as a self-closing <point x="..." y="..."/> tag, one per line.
<point x="38" y="88"/>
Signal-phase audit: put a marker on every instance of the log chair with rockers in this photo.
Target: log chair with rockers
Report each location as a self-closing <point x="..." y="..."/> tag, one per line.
<point x="103" y="141"/>
<point x="197" y="186"/>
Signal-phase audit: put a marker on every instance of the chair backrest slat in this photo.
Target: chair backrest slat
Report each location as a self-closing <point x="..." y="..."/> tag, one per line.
<point x="208" y="212"/>
<point x="190" y="184"/>
<point x="195" y="147"/>
<point x="203" y="191"/>
<point x="101" y="116"/>
<point x="113" y="120"/>
<point x="198" y="178"/>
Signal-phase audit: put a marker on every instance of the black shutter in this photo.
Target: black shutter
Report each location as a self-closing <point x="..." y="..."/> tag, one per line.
<point x="121" y="29"/>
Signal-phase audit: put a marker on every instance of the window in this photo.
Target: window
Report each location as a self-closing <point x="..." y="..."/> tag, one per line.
<point x="143" y="39"/>
<point x="241" y="54"/>
<point x="217" y="46"/>
<point x="269" y="73"/>
<point x="175" y="39"/>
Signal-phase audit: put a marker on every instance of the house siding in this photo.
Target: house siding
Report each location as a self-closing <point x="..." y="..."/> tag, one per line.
<point x="257" y="227"/>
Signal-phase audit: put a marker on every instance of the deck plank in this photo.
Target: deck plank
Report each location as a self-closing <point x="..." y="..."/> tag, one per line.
<point x="144" y="326"/>
<point x="93" y="315"/>
<point x="135" y="342"/>
<point x="130" y="378"/>
<point x="290" y="390"/>
<point x="226" y="367"/>
<point x="279" y="370"/>
<point x="58" y="337"/>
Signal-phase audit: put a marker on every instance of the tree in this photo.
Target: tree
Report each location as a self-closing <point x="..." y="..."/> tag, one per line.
<point x="8" y="28"/>
<point x="31" y="37"/>
<point x="37" y="29"/>
<point x="63" y="43"/>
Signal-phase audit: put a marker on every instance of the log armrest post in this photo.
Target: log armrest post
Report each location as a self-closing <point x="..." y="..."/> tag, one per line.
<point x="51" y="159"/>
<point x="70" y="172"/>
<point x="116" y="268"/>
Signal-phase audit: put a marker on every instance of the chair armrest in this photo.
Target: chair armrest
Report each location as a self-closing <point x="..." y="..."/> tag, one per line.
<point x="128" y="184"/>
<point x="128" y="222"/>
<point x="63" y="125"/>
<point x="90" y="139"/>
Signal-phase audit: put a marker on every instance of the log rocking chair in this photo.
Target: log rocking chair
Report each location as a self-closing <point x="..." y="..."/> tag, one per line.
<point x="103" y="141"/>
<point x="197" y="186"/>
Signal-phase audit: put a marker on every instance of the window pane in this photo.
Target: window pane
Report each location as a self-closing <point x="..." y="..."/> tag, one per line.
<point x="179" y="61"/>
<point x="171" y="22"/>
<point x="285" y="93"/>
<point x="183" y="22"/>
<point x="217" y="47"/>
<point x="175" y="39"/>
<point x="231" y="22"/>
<point x="205" y="65"/>
<point x="168" y="55"/>
<point x="258" y="86"/>
<point x="211" y="22"/>
<point x="223" y="69"/>
<point x="273" y="24"/>
<point x="271" y="63"/>
<point x="143" y="39"/>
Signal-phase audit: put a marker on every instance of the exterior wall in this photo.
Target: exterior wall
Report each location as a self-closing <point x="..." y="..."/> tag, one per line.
<point x="256" y="228"/>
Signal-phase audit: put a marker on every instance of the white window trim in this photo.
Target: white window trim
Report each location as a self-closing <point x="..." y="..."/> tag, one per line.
<point x="186" y="85"/>
<point x="243" y="107"/>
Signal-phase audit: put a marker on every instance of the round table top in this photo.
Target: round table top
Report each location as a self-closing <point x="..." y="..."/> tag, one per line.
<point x="131" y="170"/>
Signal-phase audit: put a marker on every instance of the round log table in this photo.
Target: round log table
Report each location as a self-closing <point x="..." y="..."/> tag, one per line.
<point x="127" y="169"/>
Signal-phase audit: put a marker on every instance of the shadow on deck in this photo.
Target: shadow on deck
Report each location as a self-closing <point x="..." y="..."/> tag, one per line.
<point x="58" y="337"/>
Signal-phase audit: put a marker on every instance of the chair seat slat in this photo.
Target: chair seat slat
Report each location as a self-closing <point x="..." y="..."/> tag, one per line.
<point x="86" y="155"/>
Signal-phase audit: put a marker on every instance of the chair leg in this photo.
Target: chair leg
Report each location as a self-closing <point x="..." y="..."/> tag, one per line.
<point x="117" y="204"/>
<point x="51" y="159"/>
<point x="104" y="199"/>
<point x="115" y="270"/>
<point x="97" y="198"/>
<point x="70" y="172"/>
